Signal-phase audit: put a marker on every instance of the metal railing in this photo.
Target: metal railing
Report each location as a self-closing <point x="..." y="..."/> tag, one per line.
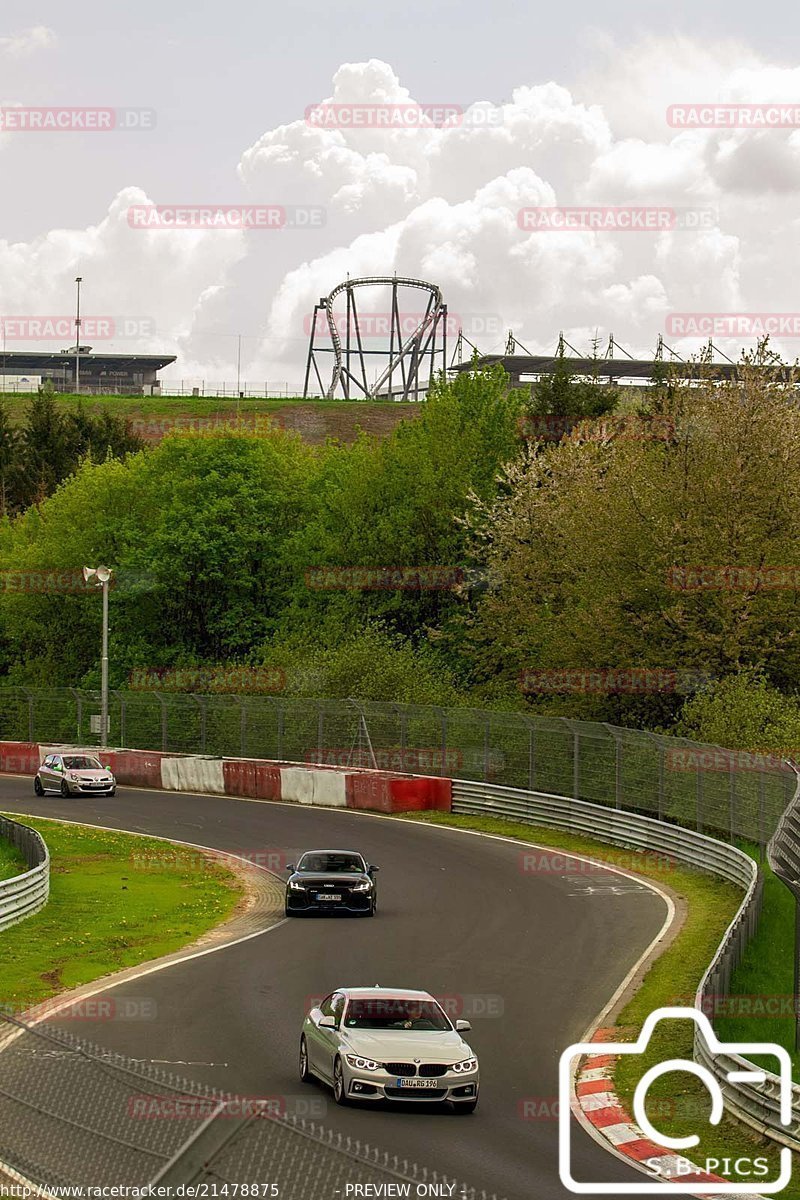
<point x="757" y="1106"/>
<point x="23" y="895"/>
<point x="720" y="792"/>
<point x="74" y="1114"/>
<point x="783" y="854"/>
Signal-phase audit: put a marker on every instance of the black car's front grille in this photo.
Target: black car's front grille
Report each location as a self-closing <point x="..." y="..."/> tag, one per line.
<point x="404" y="1070"/>
<point x="432" y="1070"/>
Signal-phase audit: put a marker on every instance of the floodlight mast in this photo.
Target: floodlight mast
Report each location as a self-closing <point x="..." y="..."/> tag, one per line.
<point x="102" y="575"/>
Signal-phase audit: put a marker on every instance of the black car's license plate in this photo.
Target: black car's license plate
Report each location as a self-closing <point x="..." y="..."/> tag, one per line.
<point x="328" y="896"/>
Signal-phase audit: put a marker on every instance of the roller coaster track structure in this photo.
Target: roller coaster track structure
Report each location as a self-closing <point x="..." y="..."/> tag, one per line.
<point x="411" y="358"/>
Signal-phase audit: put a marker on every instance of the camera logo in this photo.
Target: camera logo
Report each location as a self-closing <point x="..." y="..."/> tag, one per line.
<point x="669" y="1168"/>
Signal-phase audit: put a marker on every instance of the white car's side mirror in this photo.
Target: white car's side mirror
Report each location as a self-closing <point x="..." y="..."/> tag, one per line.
<point x="463" y="1027"/>
<point x="327" y="1023"/>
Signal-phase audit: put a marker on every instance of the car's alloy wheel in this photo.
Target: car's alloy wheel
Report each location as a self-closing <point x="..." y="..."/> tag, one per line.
<point x="65" y="788"/>
<point x="338" y="1083"/>
<point x="37" y="786"/>
<point x="305" y="1073"/>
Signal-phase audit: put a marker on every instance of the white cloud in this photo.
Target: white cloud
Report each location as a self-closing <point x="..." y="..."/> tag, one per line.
<point x="19" y="45"/>
<point x="442" y="202"/>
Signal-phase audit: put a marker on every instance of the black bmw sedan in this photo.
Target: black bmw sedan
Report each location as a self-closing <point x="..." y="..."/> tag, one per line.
<point x="331" y="881"/>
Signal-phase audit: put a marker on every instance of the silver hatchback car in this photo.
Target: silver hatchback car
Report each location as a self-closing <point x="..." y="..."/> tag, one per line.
<point x="74" y="774"/>
<point x="377" y="1043"/>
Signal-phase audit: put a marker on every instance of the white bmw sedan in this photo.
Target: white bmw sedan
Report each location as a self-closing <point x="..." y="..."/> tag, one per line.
<point x="388" y="1044"/>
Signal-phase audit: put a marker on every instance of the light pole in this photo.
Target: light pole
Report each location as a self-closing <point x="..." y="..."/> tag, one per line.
<point x="102" y="575"/>
<point x="79" y="281"/>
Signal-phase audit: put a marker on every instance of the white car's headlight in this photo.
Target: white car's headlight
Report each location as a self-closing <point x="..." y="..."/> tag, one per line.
<point x="362" y="887"/>
<point x="72" y="777"/>
<point x="362" y="1064"/>
<point x="295" y="886"/>
<point x="467" y="1064"/>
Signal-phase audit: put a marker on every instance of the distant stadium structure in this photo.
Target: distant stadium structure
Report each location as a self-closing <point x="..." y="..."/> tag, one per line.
<point x="390" y="345"/>
<point x="604" y="367"/>
<point x="133" y="374"/>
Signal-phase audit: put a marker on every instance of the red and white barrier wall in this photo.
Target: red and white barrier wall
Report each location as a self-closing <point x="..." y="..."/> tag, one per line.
<point x="257" y="779"/>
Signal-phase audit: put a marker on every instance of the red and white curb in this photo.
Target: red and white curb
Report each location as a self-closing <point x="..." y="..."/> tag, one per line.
<point x="602" y="1108"/>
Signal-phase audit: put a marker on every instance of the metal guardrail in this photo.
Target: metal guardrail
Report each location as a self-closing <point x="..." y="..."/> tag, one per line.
<point x="756" y="1106"/>
<point x="75" y="1115"/>
<point x="23" y="895"/>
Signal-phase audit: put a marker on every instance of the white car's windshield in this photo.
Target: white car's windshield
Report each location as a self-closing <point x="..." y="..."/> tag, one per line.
<point x="82" y="762"/>
<point x="331" y="862"/>
<point x="393" y="1013"/>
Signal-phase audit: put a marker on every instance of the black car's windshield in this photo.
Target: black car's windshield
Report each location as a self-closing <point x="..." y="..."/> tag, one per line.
<point x="81" y="762"/>
<point x="393" y="1013"/>
<point x="331" y="862"/>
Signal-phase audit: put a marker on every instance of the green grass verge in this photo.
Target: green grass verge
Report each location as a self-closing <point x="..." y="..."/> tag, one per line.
<point x="760" y="1007"/>
<point x="195" y="406"/>
<point x="678" y="1104"/>
<point x="116" y="900"/>
<point x="11" y="861"/>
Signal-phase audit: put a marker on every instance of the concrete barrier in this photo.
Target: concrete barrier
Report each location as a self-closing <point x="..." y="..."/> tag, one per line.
<point x="312" y="785"/>
<point x="390" y="794"/>
<point x="19" y="758"/>
<point x="250" y="778"/>
<point x="193" y="775"/>
<point x="142" y="768"/>
<point x="258" y="779"/>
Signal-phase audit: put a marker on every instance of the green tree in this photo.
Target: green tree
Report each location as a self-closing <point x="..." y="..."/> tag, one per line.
<point x="745" y="712"/>
<point x="398" y="503"/>
<point x="9" y="464"/>
<point x="560" y="401"/>
<point x="194" y="530"/>
<point x="45" y="454"/>
<point x="591" y="542"/>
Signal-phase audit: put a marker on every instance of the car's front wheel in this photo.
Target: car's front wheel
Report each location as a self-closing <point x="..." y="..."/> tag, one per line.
<point x="305" y="1072"/>
<point x="37" y="786"/>
<point x="65" y="788"/>
<point x="339" y="1093"/>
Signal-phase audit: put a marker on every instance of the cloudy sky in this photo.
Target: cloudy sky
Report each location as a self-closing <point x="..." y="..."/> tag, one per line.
<point x="554" y="112"/>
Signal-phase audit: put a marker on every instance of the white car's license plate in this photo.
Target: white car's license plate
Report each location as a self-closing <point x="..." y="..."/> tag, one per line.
<point x="328" y="896"/>
<point x="417" y="1083"/>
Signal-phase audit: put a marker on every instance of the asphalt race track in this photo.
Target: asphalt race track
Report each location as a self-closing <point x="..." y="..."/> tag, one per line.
<point x="457" y="917"/>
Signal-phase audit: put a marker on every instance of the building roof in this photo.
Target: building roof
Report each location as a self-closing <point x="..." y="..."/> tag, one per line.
<point x="16" y="362"/>
<point x="604" y="368"/>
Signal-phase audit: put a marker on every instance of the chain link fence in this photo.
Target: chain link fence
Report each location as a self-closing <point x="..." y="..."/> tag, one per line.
<point x="728" y="794"/>
<point x="75" y="1115"/>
